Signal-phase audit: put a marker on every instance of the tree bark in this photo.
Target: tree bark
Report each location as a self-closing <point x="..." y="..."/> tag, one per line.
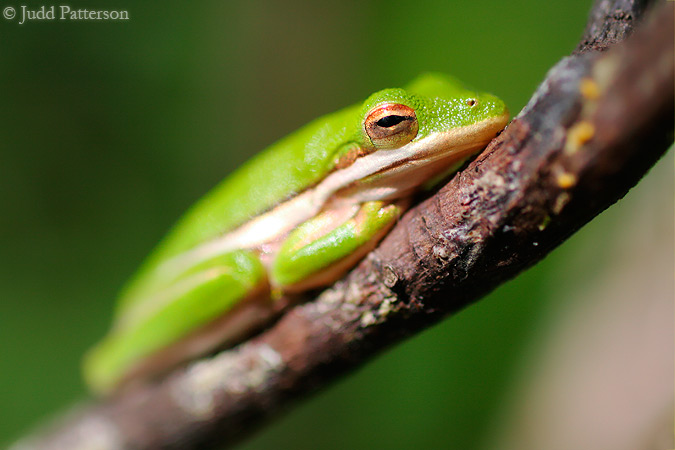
<point x="598" y="122"/>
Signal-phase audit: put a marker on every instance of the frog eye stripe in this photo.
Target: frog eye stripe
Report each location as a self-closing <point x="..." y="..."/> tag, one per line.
<point x="287" y="215"/>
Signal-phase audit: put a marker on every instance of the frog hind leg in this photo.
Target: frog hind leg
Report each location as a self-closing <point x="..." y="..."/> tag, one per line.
<point x="228" y="295"/>
<point x="310" y="257"/>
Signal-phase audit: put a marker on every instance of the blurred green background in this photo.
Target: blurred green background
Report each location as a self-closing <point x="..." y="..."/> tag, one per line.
<point x="110" y="130"/>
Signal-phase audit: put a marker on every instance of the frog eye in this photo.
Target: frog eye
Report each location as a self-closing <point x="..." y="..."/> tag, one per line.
<point x="391" y="125"/>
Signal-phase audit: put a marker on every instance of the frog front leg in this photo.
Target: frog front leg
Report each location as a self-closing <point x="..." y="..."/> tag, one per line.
<point x="320" y="251"/>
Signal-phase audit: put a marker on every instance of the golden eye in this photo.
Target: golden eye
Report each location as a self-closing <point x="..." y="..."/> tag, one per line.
<point x="391" y="125"/>
<point x="471" y="102"/>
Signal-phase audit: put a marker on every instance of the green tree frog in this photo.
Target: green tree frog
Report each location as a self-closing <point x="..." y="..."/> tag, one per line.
<point x="295" y="217"/>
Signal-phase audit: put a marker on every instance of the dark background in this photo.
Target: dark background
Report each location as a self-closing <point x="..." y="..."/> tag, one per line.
<point x="110" y="130"/>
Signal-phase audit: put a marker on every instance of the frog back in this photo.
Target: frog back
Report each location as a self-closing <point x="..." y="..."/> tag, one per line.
<point x="283" y="170"/>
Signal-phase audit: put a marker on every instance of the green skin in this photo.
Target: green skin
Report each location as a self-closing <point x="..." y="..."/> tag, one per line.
<point x="180" y="290"/>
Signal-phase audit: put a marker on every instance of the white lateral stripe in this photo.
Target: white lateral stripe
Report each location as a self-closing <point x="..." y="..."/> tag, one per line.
<point x="162" y="298"/>
<point x="253" y="233"/>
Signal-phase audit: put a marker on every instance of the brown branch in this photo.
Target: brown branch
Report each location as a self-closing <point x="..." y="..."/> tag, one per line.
<point x="594" y="127"/>
<point x="610" y="22"/>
